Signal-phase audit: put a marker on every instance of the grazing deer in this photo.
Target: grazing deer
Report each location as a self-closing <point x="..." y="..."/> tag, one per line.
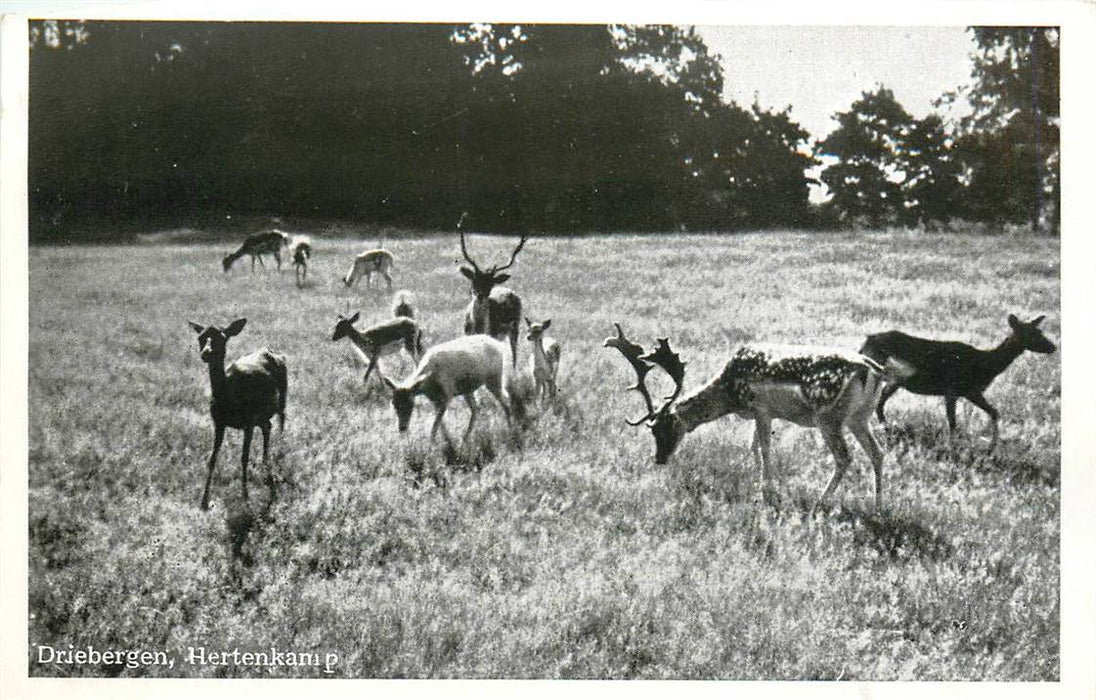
<point x="246" y="395"/>
<point x="402" y="304"/>
<point x="377" y="260"/>
<point x="455" y="368"/>
<point x="302" y="253"/>
<point x="494" y="310"/>
<point x="384" y="338"/>
<point x="257" y="245"/>
<point x="544" y="362"/>
<point x="821" y="388"/>
<point x="952" y="369"/>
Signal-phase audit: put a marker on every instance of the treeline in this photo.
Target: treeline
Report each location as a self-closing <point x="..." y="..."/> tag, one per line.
<point x="527" y="128"/>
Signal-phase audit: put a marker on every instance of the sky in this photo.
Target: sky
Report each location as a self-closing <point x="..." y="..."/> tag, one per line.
<point x="822" y="70"/>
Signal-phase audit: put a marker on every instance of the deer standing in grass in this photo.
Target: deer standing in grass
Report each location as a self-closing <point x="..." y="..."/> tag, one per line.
<point x="822" y="388"/>
<point x="385" y="338"/>
<point x="544" y="362"/>
<point x="246" y="395"/>
<point x="257" y="245"/>
<point x="455" y="368"/>
<point x="952" y="369"/>
<point x="494" y="310"/>
<point x="302" y="253"/>
<point x="378" y="261"/>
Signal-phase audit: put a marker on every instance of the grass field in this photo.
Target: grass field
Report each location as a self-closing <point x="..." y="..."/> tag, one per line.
<point x="558" y="550"/>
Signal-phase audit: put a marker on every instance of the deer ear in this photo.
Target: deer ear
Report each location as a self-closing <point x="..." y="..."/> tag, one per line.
<point x="528" y="322"/>
<point x="499" y="279"/>
<point x="235" y="327"/>
<point x="198" y="328"/>
<point x="544" y="326"/>
<point x="388" y="383"/>
<point x="467" y="272"/>
<point x="354" y="319"/>
<point x="1013" y="321"/>
<point x="1037" y="320"/>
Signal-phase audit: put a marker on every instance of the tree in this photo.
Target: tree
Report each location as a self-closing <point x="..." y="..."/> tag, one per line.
<point x="865" y="182"/>
<point x="1010" y="141"/>
<point x="932" y="188"/>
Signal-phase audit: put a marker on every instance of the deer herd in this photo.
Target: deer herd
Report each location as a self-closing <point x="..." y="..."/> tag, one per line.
<point x="831" y="389"/>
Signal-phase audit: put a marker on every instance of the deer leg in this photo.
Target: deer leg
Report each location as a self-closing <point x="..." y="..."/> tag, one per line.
<point x="514" y="344"/>
<point x="243" y="459"/>
<point x="369" y="370"/>
<point x="866" y="438"/>
<point x="498" y="390"/>
<point x="218" y="437"/>
<point x="888" y="391"/>
<point x="980" y="401"/>
<point x="470" y="399"/>
<point x="278" y="259"/>
<point x="439" y="413"/>
<point x="265" y="428"/>
<point x="763" y="432"/>
<point x="949" y="408"/>
<point x="388" y="279"/>
<point x="836" y="442"/>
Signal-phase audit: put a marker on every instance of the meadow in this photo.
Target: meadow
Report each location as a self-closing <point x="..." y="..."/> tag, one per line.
<point x="556" y="549"/>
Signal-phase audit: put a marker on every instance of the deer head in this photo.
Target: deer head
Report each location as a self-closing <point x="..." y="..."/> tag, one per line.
<point x="1029" y="335"/>
<point x="212" y="340"/>
<point x="536" y="330"/>
<point x="666" y="428"/>
<point x="344" y="325"/>
<point x="484" y="280"/>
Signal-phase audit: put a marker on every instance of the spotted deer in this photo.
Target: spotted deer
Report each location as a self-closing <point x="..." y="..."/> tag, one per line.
<point x="952" y="369"/>
<point x="822" y="388"/>
<point x="378" y="261"/>
<point x="257" y="245"/>
<point x="385" y="338"/>
<point x="455" y="368"/>
<point x="245" y="396"/>
<point x="494" y="310"/>
<point x="544" y="362"/>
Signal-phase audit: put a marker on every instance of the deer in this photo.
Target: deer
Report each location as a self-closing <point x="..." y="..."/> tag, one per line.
<point x="302" y="253"/>
<point x="544" y="362"/>
<point x="246" y="395"/>
<point x="824" y="388"/>
<point x="494" y="310"/>
<point x="454" y="368"/>
<point x="952" y="369"/>
<point x="257" y="245"/>
<point x="377" y="260"/>
<point x="385" y="338"/>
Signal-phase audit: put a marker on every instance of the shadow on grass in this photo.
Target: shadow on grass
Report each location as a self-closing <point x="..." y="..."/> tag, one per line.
<point x="894" y="536"/>
<point x="1017" y="462"/>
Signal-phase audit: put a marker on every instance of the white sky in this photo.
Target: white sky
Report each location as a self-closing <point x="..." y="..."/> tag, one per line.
<point x="822" y="70"/>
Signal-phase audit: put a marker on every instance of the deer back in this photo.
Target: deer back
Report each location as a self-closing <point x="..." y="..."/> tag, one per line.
<point x="254" y="390"/>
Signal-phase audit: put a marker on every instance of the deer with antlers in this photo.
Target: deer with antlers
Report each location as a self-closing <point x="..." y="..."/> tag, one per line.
<point x="257" y="245"/>
<point x="246" y="395"/>
<point x="822" y="388"/>
<point x="952" y="369"/>
<point x="494" y="310"/>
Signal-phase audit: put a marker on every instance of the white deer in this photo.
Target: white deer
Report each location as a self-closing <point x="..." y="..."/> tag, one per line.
<point x="824" y="388"/>
<point x="544" y="362"/>
<point x="377" y="260"/>
<point x="454" y="368"/>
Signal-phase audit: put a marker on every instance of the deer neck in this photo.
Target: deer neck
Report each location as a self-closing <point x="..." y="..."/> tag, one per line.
<point x="704" y="405"/>
<point x="217" y="377"/>
<point x="1004" y="355"/>
<point x="481" y="314"/>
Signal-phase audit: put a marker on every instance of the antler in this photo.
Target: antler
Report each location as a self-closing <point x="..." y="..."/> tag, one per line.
<point x="464" y="250"/>
<point x="514" y="255"/>
<point x="632" y="353"/>
<point x="663" y="356"/>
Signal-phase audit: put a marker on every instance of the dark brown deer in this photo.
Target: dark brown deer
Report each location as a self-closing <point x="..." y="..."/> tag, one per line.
<point x="822" y="388"/>
<point x="952" y="369"/>
<point x="257" y="245"/>
<point x="385" y="338"/>
<point x="246" y="395"/>
<point x="494" y="310"/>
<point x="302" y="253"/>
